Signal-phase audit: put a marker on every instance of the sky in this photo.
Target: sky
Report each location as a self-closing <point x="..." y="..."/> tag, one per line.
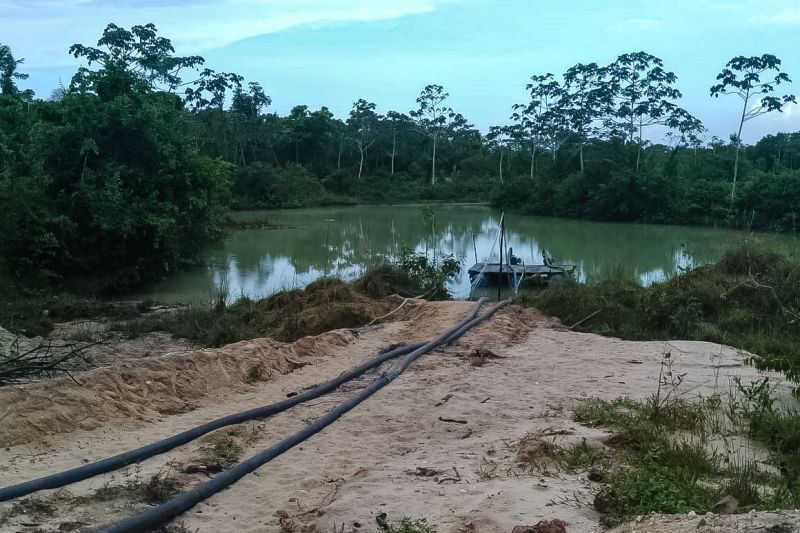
<point x="333" y="52"/>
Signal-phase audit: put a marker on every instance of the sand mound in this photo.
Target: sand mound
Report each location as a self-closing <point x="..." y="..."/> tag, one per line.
<point x="140" y="390"/>
<point x="324" y="305"/>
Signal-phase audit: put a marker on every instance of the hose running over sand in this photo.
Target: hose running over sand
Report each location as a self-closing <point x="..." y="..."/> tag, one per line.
<point x="139" y="454"/>
<point x="165" y="512"/>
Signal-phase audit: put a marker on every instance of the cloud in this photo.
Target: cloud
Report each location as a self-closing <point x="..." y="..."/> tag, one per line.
<point x="787" y="17"/>
<point x="636" y="25"/>
<point x="42" y="30"/>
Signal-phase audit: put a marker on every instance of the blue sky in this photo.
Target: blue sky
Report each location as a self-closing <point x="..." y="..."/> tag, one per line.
<point x="332" y="52"/>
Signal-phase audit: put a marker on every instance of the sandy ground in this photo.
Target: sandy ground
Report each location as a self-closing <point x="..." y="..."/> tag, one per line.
<point x="439" y="442"/>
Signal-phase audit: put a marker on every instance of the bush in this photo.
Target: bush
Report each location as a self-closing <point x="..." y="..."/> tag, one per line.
<point x="429" y="275"/>
<point x="120" y="195"/>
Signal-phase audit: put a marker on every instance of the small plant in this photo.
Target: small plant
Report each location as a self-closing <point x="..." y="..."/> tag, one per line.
<point x="31" y="506"/>
<point x="404" y="525"/>
<point x="487" y="469"/>
<point x="429" y="276"/>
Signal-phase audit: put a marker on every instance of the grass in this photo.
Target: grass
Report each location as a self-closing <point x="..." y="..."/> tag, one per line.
<point x="154" y="490"/>
<point x="664" y="454"/>
<point x="225" y="447"/>
<point x="663" y="458"/>
<point x="404" y="525"/>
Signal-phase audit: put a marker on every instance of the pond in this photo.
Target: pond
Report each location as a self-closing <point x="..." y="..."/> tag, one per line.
<point x="344" y="241"/>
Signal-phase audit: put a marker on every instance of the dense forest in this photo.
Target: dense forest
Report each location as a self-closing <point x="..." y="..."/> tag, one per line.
<point x="130" y="169"/>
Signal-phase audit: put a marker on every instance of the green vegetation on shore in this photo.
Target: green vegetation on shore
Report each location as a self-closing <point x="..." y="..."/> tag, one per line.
<point x="666" y="455"/>
<point x="124" y="175"/>
<point x="669" y="454"/>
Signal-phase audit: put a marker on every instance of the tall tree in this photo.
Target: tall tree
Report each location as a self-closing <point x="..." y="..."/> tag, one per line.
<point x="501" y="138"/>
<point x="585" y="99"/>
<point x="8" y="71"/>
<point x="540" y="122"/>
<point x="363" y="124"/>
<point x="210" y="90"/>
<point x="433" y="118"/>
<point x="135" y="60"/>
<point x="250" y="103"/>
<point x="246" y="108"/>
<point x="642" y="95"/>
<point x="742" y="76"/>
<point x="397" y="124"/>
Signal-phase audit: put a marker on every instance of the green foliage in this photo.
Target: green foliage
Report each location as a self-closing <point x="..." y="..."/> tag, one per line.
<point x="117" y="181"/>
<point x="404" y="525"/>
<point x="662" y="466"/>
<point x="106" y="187"/>
<point x="429" y="275"/>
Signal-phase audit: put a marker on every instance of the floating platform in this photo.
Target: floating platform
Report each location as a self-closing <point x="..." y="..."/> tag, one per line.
<point x="492" y="275"/>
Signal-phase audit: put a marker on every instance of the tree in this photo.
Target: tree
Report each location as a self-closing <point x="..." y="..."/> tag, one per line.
<point x="501" y="138"/>
<point x="135" y="60"/>
<point x="211" y="88"/>
<point x="742" y="76"/>
<point x="9" y="72"/>
<point x="585" y="99"/>
<point x="397" y="123"/>
<point x="433" y="118"/>
<point x="642" y="95"/>
<point x="363" y="123"/>
<point x="541" y="123"/>
<point x="246" y="108"/>
<point x="250" y="103"/>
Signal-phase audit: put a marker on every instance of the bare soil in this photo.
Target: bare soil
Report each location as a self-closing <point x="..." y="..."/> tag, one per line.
<point x="450" y="440"/>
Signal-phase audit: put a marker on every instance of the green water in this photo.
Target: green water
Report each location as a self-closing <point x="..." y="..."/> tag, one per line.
<point x="344" y="241"/>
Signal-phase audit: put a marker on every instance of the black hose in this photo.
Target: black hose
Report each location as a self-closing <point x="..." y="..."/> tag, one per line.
<point x="166" y="511"/>
<point x="125" y="459"/>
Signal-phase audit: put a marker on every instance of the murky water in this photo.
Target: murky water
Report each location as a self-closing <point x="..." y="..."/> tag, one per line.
<point x="344" y="241"/>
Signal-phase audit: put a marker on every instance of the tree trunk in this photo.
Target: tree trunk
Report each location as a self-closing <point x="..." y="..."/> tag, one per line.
<point x="638" y="157"/>
<point x="394" y="149"/>
<point x="738" y="147"/>
<point x="85" y="161"/>
<point x="501" y="166"/>
<point x="360" y="163"/>
<point x="735" y="171"/>
<point x="433" y="162"/>
<point x="581" y="157"/>
<point x="339" y="159"/>
<point x="533" y="162"/>
<point x="639" y="147"/>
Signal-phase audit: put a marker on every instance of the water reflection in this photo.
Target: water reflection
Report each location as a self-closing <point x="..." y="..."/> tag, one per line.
<point x="345" y="241"/>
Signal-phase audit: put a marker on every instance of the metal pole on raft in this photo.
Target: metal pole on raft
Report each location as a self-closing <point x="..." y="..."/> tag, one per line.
<point x="502" y="252"/>
<point x="475" y="248"/>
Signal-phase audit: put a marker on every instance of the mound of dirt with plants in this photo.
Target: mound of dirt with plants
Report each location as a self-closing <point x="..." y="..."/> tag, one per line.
<point x="324" y="305"/>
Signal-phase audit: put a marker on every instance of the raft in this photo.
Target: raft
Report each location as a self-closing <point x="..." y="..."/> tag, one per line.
<point x="513" y="274"/>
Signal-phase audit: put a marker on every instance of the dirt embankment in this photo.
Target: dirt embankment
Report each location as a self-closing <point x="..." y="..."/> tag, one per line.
<point x="136" y="391"/>
<point x="441" y="442"/>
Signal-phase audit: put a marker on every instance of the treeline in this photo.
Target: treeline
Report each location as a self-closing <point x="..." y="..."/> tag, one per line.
<point x="124" y="175"/>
